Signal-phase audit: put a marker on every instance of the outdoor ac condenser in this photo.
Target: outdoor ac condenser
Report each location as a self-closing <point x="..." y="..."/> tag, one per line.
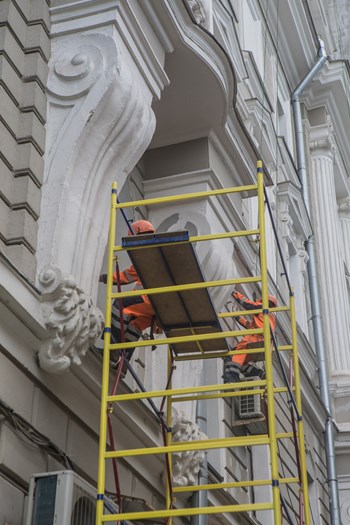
<point x="62" y="498"/>
<point x="252" y="410"/>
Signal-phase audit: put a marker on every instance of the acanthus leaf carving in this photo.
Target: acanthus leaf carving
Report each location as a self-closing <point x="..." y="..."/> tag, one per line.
<point x="73" y="323"/>
<point x="186" y="464"/>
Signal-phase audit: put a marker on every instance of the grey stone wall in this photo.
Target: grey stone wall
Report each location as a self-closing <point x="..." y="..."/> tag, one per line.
<point x="24" y="53"/>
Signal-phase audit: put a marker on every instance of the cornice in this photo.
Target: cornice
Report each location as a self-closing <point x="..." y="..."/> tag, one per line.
<point x="330" y="90"/>
<point x="89" y="15"/>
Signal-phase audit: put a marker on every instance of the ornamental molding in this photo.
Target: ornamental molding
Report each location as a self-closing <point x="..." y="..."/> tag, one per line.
<point x="294" y="212"/>
<point x="99" y="124"/>
<point x="322" y="140"/>
<point x="72" y="321"/>
<point x="202" y="12"/>
<point x="186" y="464"/>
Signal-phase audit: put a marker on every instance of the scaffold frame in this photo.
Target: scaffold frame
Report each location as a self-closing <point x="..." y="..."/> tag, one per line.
<point x="171" y="395"/>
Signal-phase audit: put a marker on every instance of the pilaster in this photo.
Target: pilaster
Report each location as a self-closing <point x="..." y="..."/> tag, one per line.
<point x="336" y="316"/>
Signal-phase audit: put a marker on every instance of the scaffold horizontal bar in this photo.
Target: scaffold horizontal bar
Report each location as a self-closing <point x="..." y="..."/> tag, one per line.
<point x="185" y="196"/>
<point x="196" y="511"/>
<point x="188" y="390"/>
<point x="239" y="313"/>
<point x="232" y="485"/>
<point x="184" y="287"/>
<point x="223" y="395"/>
<point x="205" y="444"/>
<point x="197" y="238"/>
<point x="197" y="397"/>
<point x="185" y="339"/>
<point x="217" y="355"/>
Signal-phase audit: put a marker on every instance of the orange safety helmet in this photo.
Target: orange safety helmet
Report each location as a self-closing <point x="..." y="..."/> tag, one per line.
<point x="142" y="226"/>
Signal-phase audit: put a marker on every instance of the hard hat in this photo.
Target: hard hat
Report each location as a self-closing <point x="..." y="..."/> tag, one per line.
<point x="272" y="299"/>
<point x="142" y="226"/>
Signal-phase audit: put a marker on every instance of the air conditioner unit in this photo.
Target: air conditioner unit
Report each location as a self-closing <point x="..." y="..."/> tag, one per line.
<point x="252" y="409"/>
<point x="63" y="498"/>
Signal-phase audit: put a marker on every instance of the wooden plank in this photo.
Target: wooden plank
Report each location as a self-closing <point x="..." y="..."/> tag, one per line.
<point x="171" y="260"/>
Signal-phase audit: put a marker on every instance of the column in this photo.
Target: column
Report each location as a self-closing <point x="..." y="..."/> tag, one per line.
<point x="333" y="289"/>
<point x="344" y="218"/>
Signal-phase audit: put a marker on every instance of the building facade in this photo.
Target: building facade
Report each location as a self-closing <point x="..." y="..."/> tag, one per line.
<point x="165" y="97"/>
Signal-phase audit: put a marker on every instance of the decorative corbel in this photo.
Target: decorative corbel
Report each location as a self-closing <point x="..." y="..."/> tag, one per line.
<point x="73" y="323"/>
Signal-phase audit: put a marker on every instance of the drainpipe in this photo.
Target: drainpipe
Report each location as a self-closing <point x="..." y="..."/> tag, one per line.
<point x="200" y="497"/>
<point x="314" y="289"/>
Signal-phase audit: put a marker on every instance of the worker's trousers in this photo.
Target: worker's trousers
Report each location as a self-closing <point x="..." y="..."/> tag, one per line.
<point x="241" y="364"/>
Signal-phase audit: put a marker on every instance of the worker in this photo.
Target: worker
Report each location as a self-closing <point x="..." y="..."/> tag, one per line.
<point x="138" y="313"/>
<point x="245" y="363"/>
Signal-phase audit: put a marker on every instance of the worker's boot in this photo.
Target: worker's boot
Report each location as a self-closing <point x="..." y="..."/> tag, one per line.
<point x="251" y="370"/>
<point x="231" y="371"/>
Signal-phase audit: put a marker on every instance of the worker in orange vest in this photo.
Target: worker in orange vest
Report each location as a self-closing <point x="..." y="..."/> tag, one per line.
<point x="244" y="363"/>
<point x="138" y="313"/>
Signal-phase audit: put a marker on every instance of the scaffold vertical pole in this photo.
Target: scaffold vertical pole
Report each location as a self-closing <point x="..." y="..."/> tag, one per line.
<point x="105" y="367"/>
<point x="303" y="481"/>
<point x="168" y="494"/>
<point x="268" y="354"/>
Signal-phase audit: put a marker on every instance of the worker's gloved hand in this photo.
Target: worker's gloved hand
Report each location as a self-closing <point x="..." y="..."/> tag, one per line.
<point x="103" y="278"/>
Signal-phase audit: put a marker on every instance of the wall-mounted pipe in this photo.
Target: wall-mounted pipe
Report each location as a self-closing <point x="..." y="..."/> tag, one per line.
<point x="314" y="289"/>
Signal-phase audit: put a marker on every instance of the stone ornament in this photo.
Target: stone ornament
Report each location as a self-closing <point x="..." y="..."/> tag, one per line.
<point x="199" y="9"/>
<point x="80" y="65"/>
<point x="100" y="122"/>
<point x="186" y="464"/>
<point x="73" y="323"/>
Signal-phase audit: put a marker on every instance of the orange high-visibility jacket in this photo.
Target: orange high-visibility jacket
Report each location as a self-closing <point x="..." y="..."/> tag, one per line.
<point x="142" y="309"/>
<point x="256" y="322"/>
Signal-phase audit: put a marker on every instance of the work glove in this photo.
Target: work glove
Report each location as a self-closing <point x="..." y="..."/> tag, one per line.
<point x="103" y="278"/>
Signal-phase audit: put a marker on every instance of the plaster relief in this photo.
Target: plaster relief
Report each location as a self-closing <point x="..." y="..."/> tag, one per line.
<point x="186" y="464"/>
<point x="200" y="10"/>
<point x="100" y="122"/>
<point x="73" y="323"/>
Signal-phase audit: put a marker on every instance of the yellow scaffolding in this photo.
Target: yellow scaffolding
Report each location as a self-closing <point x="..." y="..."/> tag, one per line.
<point x="171" y="395"/>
